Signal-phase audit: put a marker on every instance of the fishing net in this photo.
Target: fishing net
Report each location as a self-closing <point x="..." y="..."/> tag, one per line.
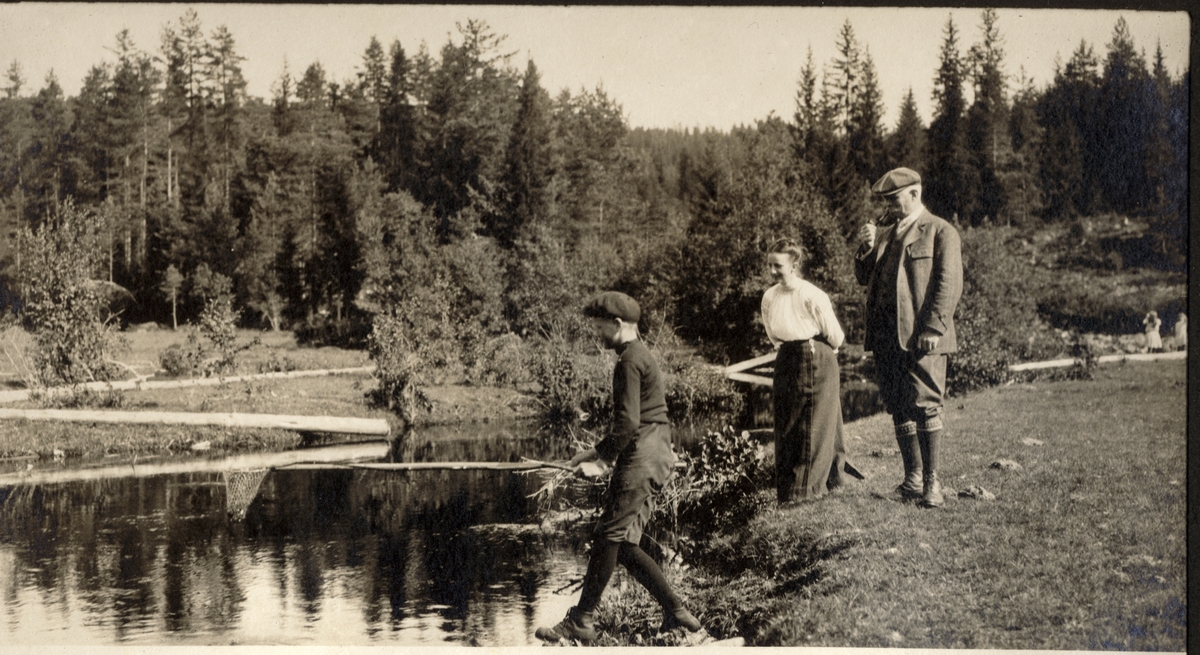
<point x="241" y="487"/>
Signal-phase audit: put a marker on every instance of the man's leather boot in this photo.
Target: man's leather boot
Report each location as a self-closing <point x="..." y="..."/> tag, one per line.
<point x="910" y="452"/>
<point x="930" y="443"/>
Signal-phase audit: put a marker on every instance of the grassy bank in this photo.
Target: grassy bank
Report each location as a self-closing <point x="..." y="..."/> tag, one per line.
<point x="334" y="396"/>
<point x="1082" y="548"/>
<point x="341" y="395"/>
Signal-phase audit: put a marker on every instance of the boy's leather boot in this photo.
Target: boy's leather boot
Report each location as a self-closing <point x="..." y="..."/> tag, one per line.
<point x="576" y="625"/>
<point x="678" y="618"/>
<point x="932" y="492"/>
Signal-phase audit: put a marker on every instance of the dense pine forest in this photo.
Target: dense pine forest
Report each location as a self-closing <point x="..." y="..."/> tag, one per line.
<point x="449" y="201"/>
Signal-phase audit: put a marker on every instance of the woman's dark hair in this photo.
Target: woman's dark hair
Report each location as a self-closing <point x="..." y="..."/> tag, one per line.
<point x="790" y="248"/>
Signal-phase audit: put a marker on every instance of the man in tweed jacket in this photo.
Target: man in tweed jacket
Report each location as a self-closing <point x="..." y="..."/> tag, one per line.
<point x="912" y="268"/>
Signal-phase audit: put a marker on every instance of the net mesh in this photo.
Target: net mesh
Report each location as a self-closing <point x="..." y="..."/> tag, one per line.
<point x="241" y="487"/>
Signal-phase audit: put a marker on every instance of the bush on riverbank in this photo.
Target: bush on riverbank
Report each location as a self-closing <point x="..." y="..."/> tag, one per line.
<point x="65" y="308"/>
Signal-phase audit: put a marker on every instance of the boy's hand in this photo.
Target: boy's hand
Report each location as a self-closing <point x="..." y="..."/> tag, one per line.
<point x="583" y="456"/>
<point x="593" y="469"/>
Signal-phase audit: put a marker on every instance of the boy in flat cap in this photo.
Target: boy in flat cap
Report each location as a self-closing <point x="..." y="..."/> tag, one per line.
<point x="913" y="274"/>
<point x="638" y="450"/>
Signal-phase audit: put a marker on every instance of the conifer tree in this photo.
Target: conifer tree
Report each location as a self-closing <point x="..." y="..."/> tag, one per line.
<point x="1126" y="96"/>
<point x="51" y="173"/>
<point x="1024" y="198"/>
<point x="396" y="144"/>
<point x="865" y="133"/>
<point x="906" y="144"/>
<point x="1067" y="112"/>
<point x="227" y="96"/>
<point x="15" y="80"/>
<point x="130" y="129"/>
<point x="283" y="91"/>
<point x="987" y="120"/>
<point x="373" y="78"/>
<point x="528" y="167"/>
<point x="951" y="185"/>
<point x="472" y="104"/>
<point x="845" y="82"/>
<point x="807" y="109"/>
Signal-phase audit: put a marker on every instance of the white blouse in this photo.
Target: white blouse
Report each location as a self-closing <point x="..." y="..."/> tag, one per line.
<point x="800" y="313"/>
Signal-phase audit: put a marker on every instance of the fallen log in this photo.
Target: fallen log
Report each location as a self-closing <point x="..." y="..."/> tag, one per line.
<point x="429" y="466"/>
<point x="141" y="384"/>
<point x="333" y="424"/>
<point x="329" y="454"/>
<point x="1103" y="359"/>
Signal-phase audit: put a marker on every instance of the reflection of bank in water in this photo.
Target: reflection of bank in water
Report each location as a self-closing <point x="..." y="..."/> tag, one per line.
<point x="326" y="556"/>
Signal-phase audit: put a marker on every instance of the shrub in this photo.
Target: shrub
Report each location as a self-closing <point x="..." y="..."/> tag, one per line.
<point x="218" y="328"/>
<point x="1105" y="306"/>
<point x="350" y="331"/>
<point x="720" y="488"/>
<point x="441" y="301"/>
<point x="218" y="324"/>
<point x="76" y="397"/>
<point x="695" y="390"/>
<point x="997" y="322"/>
<point x="64" y="308"/>
<point x="542" y="286"/>
<point x="399" y="369"/>
<point x="179" y="361"/>
<point x="277" y="363"/>
<point x="501" y="360"/>
<point x="574" y="387"/>
<point x="721" y="274"/>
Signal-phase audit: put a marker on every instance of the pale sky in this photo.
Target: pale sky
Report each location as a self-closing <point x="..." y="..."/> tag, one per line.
<point x="667" y="66"/>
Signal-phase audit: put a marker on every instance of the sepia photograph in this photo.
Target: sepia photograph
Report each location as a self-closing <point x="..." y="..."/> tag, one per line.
<point x="513" y="326"/>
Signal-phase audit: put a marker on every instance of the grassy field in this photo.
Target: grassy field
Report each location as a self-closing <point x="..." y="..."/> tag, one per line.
<point x="331" y="396"/>
<point x="341" y="395"/>
<point x="140" y="351"/>
<point x="1083" y="546"/>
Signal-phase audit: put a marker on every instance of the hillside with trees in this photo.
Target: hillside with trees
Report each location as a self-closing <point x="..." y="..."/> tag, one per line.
<point x="448" y="202"/>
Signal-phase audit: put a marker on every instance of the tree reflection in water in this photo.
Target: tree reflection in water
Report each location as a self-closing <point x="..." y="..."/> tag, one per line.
<point x="322" y="557"/>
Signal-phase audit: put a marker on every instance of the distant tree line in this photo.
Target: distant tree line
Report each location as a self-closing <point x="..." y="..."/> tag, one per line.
<point x="453" y="193"/>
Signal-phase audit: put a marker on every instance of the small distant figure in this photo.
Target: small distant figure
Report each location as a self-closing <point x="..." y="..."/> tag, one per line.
<point x="1153" y="339"/>
<point x="1181" y="332"/>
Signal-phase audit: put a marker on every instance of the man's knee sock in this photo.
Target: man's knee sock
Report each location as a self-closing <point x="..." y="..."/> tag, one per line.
<point x="910" y="452"/>
<point x="929" y="436"/>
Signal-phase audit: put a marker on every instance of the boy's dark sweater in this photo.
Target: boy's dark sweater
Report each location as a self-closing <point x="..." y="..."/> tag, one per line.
<point x="639" y="400"/>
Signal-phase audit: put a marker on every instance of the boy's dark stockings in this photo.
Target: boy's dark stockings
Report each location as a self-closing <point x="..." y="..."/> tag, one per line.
<point x="640" y="565"/>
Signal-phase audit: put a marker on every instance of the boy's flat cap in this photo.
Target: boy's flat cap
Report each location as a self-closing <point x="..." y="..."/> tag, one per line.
<point x="614" y="304"/>
<point x="896" y="180"/>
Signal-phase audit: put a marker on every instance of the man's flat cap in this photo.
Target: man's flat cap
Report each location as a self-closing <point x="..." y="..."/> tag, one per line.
<point x="614" y="304"/>
<point x="895" y="180"/>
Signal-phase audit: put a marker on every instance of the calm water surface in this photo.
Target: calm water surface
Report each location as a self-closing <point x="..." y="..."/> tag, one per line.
<point x="322" y="557"/>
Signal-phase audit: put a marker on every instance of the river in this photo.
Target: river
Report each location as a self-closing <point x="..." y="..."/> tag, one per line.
<point x="321" y="557"/>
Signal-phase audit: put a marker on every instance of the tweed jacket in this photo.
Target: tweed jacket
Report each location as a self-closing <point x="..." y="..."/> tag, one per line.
<point x="928" y="283"/>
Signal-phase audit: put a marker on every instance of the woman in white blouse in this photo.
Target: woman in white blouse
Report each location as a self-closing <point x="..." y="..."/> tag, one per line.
<point x="810" y="455"/>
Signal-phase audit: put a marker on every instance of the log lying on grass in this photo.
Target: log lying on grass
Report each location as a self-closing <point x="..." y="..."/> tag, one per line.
<point x="1103" y="359"/>
<point x="329" y="454"/>
<point x="140" y="384"/>
<point x="334" y="424"/>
